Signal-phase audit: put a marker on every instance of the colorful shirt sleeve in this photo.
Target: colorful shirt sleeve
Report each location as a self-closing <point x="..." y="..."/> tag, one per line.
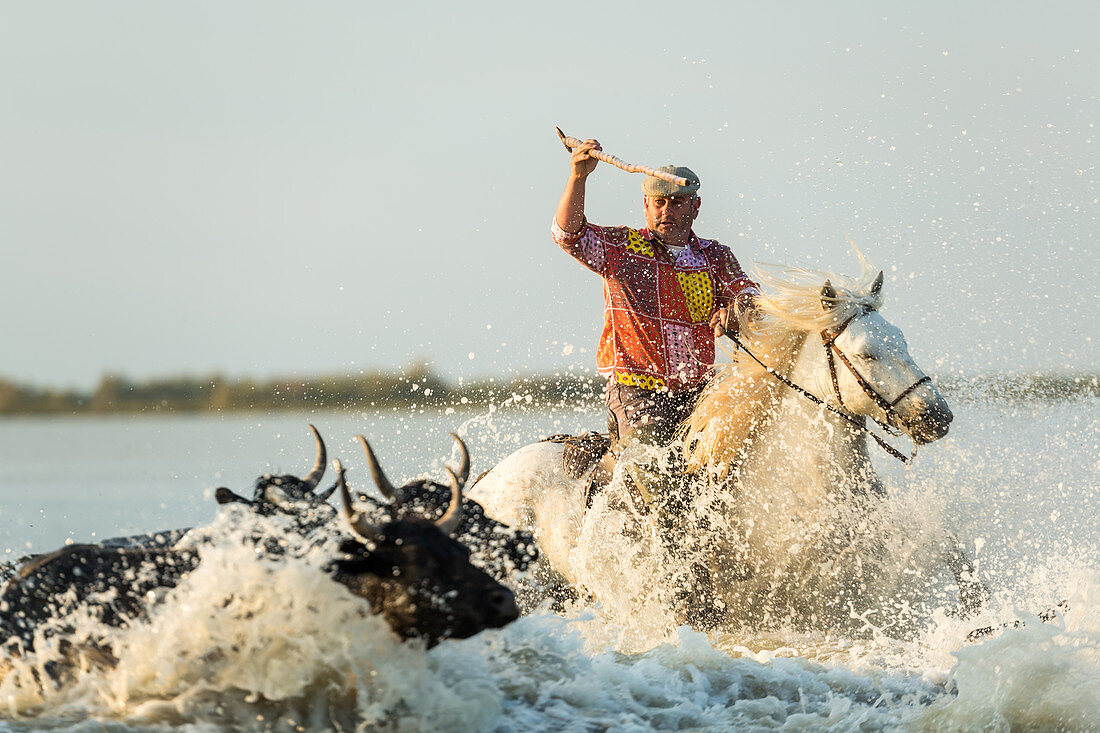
<point x="590" y="246"/>
<point x="734" y="284"/>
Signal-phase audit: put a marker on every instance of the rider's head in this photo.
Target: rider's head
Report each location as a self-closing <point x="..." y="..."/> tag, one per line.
<point x="671" y="208"/>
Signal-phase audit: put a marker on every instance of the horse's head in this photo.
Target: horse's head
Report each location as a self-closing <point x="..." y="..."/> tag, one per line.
<point x="873" y="374"/>
<point x="829" y="341"/>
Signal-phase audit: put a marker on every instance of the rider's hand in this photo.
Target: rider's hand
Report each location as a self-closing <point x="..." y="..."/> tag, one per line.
<point x="719" y="322"/>
<point x="583" y="163"/>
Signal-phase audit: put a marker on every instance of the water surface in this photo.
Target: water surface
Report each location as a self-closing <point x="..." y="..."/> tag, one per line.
<point x="1020" y="482"/>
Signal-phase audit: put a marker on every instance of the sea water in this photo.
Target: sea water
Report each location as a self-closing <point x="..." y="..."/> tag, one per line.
<point x="277" y="646"/>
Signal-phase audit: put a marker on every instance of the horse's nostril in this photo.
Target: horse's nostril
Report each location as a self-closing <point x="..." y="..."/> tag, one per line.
<point x="941" y="419"/>
<point x="932" y="427"/>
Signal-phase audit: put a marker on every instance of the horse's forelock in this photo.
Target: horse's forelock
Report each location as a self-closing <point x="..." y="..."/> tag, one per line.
<point x="794" y="297"/>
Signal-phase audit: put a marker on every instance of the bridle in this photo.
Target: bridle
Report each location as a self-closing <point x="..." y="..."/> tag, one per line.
<point x="828" y="341"/>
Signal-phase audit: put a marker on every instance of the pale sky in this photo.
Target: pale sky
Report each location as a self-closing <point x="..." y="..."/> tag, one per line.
<point x="272" y="188"/>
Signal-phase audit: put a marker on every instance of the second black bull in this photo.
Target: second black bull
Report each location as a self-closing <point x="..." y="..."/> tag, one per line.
<point x="497" y="548"/>
<point x="409" y="568"/>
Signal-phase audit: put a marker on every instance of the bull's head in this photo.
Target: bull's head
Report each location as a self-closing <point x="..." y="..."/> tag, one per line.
<point x="418" y="577"/>
<point x="498" y="548"/>
<point x="288" y="494"/>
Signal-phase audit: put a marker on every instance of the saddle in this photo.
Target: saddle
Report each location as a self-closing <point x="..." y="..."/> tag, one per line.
<point x="588" y="452"/>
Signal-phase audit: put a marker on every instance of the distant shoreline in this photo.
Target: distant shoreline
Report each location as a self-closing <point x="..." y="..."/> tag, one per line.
<point x="417" y="388"/>
<point x="414" y="388"/>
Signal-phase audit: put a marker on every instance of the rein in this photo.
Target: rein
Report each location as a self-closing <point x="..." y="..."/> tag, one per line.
<point x="829" y="343"/>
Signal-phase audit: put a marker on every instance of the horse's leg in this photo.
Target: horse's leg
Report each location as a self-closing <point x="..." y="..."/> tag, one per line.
<point x="701" y="607"/>
<point x="973" y="593"/>
<point x="687" y="539"/>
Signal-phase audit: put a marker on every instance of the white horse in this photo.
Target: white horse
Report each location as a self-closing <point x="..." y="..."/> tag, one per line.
<point x="786" y="513"/>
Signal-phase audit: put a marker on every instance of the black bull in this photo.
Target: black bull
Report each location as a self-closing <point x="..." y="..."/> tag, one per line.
<point x="417" y="577"/>
<point x="495" y="547"/>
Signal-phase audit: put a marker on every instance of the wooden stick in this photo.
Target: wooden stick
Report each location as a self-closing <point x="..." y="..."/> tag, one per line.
<point x="571" y="142"/>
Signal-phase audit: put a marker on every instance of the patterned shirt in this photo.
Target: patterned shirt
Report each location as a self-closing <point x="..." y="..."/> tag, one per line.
<point x="657" y="310"/>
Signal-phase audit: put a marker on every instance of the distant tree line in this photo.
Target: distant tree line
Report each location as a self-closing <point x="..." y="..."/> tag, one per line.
<point x="1021" y="387"/>
<point x="417" y="387"/>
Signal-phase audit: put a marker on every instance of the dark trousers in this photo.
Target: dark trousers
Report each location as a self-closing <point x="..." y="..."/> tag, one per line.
<point x="638" y="416"/>
<point x="647" y="415"/>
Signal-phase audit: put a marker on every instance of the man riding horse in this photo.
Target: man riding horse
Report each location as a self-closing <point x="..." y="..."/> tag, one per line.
<point x="667" y="295"/>
<point x="766" y="522"/>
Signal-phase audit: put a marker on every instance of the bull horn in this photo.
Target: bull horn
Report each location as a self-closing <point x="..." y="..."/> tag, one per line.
<point x="314" y="476"/>
<point x="464" y="466"/>
<point x="366" y="530"/>
<point x="450" y="520"/>
<point x="324" y="495"/>
<point x="379" y="476"/>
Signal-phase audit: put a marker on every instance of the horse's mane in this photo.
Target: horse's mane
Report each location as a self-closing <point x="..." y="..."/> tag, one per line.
<point x="743" y="394"/>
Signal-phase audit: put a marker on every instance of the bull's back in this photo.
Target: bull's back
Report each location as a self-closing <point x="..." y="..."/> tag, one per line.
<point x="115" y="580"/>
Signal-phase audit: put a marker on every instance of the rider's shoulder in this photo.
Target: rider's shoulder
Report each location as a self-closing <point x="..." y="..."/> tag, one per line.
<point x="713" y="247"/>
<point x="616" y="234"/>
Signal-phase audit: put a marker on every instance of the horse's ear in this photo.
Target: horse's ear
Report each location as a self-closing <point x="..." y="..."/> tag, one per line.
<point x="828" y="296"/>
<point x="876" y="286"/>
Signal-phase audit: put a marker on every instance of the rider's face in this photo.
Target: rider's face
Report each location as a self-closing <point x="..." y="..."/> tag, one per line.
<point x="670" y="217"/>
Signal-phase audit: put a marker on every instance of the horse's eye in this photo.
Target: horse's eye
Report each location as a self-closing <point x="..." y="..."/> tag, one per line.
<point x="867" y="356"/>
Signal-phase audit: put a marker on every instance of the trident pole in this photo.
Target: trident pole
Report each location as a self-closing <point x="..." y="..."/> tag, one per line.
<point x="571" y="143"/>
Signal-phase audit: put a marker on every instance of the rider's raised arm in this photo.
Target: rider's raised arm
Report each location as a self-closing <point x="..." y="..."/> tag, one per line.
<point x="570" y="213"/>
<point x="593" y="246"/>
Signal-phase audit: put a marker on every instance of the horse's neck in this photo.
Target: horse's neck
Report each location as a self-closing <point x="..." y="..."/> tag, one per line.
<point x="803" y="440"/>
